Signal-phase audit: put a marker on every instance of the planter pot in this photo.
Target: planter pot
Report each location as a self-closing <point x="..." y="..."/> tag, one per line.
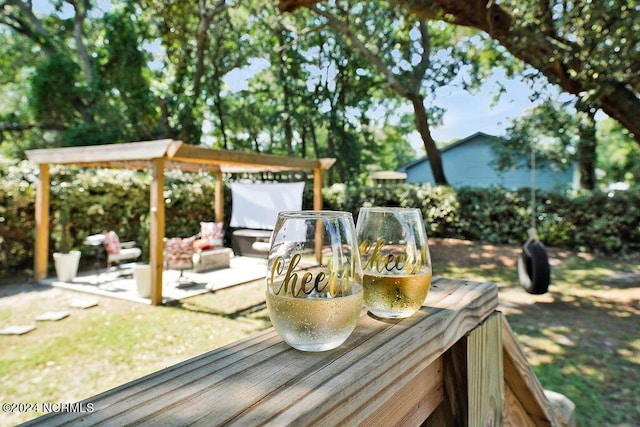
<point x="66" y="265"/>
<point x="142" y="275"/>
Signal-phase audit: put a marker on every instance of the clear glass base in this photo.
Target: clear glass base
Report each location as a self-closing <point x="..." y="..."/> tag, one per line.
<point x="392" y="314"/>
<point x="317" y="346"/>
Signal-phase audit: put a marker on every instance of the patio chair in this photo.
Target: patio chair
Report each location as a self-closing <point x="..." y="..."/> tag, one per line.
<point x="119" y="252"/>
<point x="178" y="255"/>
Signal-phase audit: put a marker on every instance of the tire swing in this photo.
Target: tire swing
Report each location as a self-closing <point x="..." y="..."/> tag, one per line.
<point x="534" y="272"/>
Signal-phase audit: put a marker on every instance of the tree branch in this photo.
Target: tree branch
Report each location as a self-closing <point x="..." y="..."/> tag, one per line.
<point x="33" y="29"/>
<point x="359" y="46"/>
<point x="81" y="7"/>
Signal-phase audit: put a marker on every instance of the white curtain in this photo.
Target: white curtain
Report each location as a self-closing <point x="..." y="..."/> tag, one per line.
<point x="257" y="205"/>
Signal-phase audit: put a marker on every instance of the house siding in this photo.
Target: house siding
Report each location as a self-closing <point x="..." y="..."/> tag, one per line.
<point x="468" y="162"/>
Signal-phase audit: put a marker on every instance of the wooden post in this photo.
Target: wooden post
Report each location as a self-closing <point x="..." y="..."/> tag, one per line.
<point x="219" y="197"/>
<point x="485" y="372"/>
<point x="473" y="379"/>
<point x="156" y="230"/>
<point x="526" y="401"/>
<point x="317" y="189"/>
<point x="41" y="252"/>
<point x="317" y="205"/>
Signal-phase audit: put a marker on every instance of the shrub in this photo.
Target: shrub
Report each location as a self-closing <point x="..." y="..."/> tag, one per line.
<point x="100" y="200"/>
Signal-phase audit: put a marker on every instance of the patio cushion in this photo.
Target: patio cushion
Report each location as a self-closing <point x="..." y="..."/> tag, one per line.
<point x="179" y="252"/>
<point x="112" y="243"/>
<point x="125" y="254"/>
<point x="203" y="245"/>
<point x="212" y="232"/>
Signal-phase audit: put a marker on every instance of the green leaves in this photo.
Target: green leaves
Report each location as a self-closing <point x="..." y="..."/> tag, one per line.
<point x="55" y="89"/>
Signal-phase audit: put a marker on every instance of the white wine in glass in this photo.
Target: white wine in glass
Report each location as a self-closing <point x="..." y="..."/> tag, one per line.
<point x="314" y="279"/>
<point x="395" y="260"/>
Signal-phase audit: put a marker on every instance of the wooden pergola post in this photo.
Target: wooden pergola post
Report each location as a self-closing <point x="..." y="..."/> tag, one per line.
<point x="41" y="250"/>
<point x="219" y="198"/>
<point x="317" y="189"/>
<point x="156" y="230"/>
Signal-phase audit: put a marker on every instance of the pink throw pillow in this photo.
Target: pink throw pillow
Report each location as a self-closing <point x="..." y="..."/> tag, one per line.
<point x="112" y="242"/>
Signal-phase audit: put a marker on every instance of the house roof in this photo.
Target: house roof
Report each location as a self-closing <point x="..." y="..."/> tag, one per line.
<point x="388" y="175"/>
<point x="447" y="148"/>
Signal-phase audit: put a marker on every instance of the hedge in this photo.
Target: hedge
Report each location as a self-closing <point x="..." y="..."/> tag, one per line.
<point x="101" y="200"/>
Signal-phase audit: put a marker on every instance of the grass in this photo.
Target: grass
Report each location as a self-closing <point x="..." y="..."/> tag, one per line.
<point x="582" y="337"/>
<point x="99" y="348"/>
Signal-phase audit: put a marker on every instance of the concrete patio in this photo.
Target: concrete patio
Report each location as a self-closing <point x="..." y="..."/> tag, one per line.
<point x="120" y="283"/>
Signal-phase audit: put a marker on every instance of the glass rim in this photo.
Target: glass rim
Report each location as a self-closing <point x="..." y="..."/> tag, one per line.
<point x="310" y="214"/>
<point x="389" y="209"/>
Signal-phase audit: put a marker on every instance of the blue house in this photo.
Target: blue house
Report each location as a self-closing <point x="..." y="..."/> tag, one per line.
<point x="469" y="162"/>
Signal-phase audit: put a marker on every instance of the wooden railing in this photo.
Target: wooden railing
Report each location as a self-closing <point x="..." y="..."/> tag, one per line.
<point x="455" y="363"/>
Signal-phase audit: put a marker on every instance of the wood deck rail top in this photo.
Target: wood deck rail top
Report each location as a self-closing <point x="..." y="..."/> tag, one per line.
<point x="261" y="380"/>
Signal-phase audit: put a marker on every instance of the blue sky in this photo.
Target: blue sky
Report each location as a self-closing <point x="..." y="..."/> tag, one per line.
<point x="467" y="113"/>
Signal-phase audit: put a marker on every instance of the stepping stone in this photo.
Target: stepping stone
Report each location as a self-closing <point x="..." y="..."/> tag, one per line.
<point x="53" y="315"/>
<point x="83" y="303"/>
<point x="182" y="285"/>
<point x="17" y="329"/>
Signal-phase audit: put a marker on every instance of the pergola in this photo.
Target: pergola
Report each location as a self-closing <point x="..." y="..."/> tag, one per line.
<point x="157" y="156"/>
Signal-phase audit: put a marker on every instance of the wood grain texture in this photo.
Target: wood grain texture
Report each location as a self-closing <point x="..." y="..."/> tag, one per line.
<point x="156" y="229"/>
<point x="514" y="414"/>
<point x="524" y="384"/>
<point x="413" y="403"/>
<point x="485" y="377"/>
<point x="262" y="381"/>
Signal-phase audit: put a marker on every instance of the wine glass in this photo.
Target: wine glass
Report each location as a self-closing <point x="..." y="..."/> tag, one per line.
<point x="396" y="264"/>
<point x="314" y="279"/>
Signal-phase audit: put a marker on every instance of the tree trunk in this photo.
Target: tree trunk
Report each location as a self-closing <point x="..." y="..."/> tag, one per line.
<point x="220" y="112"/>
<point x="286" y="94"/>
<point x="433" y="153"/>
<point x="81" y="8"/>
<point x="587" y="151"/>
<point x="409" y="91"/>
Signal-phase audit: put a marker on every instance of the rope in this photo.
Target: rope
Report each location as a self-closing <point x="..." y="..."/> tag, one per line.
<point x="533" y="186"/>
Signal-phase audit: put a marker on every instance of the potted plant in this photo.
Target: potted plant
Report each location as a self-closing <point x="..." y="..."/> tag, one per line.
<point x="65" y="259"/>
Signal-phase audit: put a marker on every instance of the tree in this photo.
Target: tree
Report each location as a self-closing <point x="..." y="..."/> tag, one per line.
<point x="17" y="128"/>
<point x="618" y="155"/>
<point x="560" y="135"/>
<point x="196" y="54"/>
<point x="587" y="48"/>
<point x="405" y="80"/>
<point x="313" y="99"/>
<point x="89" y="84"/>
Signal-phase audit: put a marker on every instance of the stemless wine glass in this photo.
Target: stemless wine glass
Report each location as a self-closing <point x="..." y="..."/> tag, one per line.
<point x="314" y="279"/>
<point x="396" y="265"/>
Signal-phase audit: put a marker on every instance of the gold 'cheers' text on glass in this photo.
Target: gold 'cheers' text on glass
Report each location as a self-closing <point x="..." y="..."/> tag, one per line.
<point x="389" y="262"/>
<point x="338" y="283"/>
